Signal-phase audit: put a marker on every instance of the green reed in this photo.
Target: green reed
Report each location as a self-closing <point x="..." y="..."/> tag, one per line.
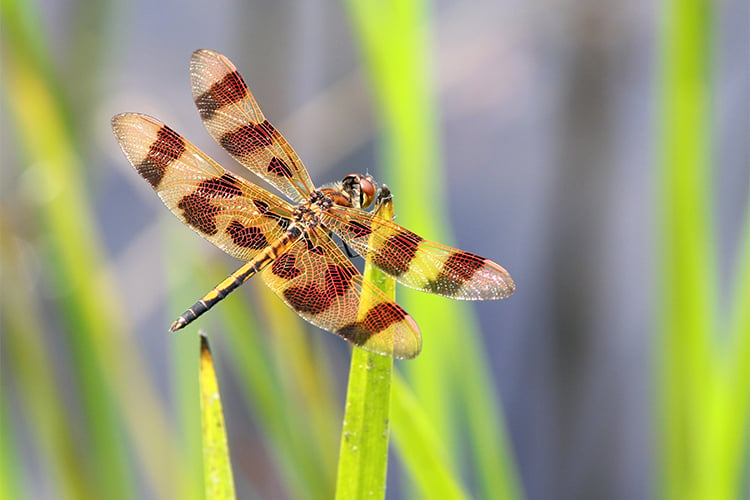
<point x="450" y="379"/>
<point x="703" y="357"/>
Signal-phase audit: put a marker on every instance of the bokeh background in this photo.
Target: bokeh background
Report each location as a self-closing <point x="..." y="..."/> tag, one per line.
<point x="596" y="149"/>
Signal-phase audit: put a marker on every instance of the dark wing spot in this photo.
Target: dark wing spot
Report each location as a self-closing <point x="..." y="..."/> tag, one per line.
<point x="199" y="213"/>
<point x="358" y="229"/>
<point x="226" y="186"/>
<point x="311" y="299"/>
<point x="463" y="264"/>
<point x="383" y="315"/>
<point x="247" y="237"/>
<point x="229" y="90"/>
<point x="377" y="319"/>
<point x="308" y="299"/>
<point x="167" y="147"/>
<point x="355" y="334"/>
<point x="457" y="270"/>
<point x="285" y="267"/>
<point x="248" y="139"/>
<point x="338" y="280"/>
<point x="197" y="208"/>
<point x="397" y="252"/>
<point x="278" y="168"/>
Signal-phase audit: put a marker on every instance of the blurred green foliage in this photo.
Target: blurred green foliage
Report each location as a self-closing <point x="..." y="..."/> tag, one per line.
<point x="703" y="360"/>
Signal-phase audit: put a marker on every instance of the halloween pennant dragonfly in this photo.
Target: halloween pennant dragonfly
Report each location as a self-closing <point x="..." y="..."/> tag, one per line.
<point x="290" y="245"/>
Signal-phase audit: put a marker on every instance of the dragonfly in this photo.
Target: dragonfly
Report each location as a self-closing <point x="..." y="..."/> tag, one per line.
<point x="290" y="244"/>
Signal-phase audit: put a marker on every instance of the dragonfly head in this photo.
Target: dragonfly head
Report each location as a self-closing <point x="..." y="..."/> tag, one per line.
<point x="361" y="189"/>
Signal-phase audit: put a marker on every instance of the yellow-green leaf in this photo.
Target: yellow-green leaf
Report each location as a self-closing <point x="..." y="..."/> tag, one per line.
<point x="217" y="467"/>
<point x="363" y="457"/>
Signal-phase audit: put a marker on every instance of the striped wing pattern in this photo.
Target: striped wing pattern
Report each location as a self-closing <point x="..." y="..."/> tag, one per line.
<point x="239" y="217"/>
<point x="419" y="263"/>
<point x="235" y="120"/>
<point x="320" y="284"/>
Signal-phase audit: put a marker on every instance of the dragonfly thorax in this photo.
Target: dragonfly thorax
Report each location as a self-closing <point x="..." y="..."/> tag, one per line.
<point x="309" y="213"/>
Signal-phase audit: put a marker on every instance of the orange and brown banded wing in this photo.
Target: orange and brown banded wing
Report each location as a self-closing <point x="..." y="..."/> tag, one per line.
<point x="419" y="263"/>
<point x="230" y="212"/>
<point x="320" y="284"/>
<point x="234" y="119"/>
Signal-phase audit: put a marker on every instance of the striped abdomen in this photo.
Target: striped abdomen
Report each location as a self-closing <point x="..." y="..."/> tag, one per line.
<point x="241" y="275"/>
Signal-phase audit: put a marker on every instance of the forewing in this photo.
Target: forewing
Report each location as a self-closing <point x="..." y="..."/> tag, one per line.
<point x="419" y="263"/>
<point x="230" y="212"/>
<point x="234" y="119"/>
<point x="319" y="283"/>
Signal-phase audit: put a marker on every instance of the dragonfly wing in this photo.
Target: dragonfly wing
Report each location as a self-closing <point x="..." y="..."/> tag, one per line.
<point x="234" y="119"/>
<point x="416" y="262"/>
<point x="320" y="284"/>
<point x="230" y="212"/>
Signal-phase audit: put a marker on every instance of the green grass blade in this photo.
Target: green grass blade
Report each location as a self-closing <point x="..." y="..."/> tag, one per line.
<point x="737" y="424"/>
<point x="217" y="466"/>
<point x="496" y="471"/>
<point x="422" y="449"/>
<point x="687" y="390"/>
<point x="363" y="455"/>
<point x="450" y="378"/>
<point x="393" y="40"/>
